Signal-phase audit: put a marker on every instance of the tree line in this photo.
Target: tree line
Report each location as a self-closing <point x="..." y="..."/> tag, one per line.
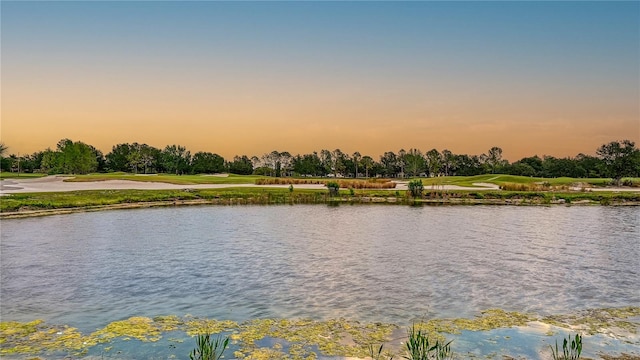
<point x="615" y="160"/>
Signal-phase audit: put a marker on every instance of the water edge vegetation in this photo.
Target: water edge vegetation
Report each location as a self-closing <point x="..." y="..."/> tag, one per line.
<point x="298" y="339"/>
<point x="35" y="204"/>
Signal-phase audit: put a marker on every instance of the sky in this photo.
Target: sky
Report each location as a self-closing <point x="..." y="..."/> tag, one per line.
<point x="234" y="78"/>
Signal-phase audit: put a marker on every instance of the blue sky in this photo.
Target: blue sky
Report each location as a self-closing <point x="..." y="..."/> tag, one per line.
<point x="461" y="75"/>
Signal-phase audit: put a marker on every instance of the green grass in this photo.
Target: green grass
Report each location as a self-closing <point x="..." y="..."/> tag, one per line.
<point x="247" y="195"/>
<point x="12" y="175"/>
<point x="466" y="181"/>
<point x="170" y="178"/>
<point x="90" y="198"/>
<point x="499" y="179"/>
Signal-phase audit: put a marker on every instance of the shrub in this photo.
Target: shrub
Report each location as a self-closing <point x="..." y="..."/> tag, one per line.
<point x="416" y="188"/>
<point x="333" y="188"/>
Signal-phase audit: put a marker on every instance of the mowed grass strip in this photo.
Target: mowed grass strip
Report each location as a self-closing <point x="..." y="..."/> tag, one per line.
<point x="170" y="178"/>
<point x="13" y="175"/>
<point x="499" y="179"/>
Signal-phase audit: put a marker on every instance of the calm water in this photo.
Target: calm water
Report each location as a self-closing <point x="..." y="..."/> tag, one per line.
<point x="371" y="263"/>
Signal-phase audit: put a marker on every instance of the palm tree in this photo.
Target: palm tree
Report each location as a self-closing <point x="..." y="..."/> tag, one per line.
<point x="3" y="150"/>
<point x="356" y="157"/>
<point x="367" y="162"/>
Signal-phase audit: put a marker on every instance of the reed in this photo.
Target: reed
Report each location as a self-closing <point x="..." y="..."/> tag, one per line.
<point x="571" y="348"/>
<point x="208" y="347"/>
<point x="419" y="348"/>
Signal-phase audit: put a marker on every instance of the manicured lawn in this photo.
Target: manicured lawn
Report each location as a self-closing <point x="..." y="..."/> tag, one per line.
<point x="11" y="175"/>
<point x="500" y="179"/>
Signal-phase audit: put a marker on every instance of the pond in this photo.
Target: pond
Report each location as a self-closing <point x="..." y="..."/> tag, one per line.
<point x="371" y="264"/>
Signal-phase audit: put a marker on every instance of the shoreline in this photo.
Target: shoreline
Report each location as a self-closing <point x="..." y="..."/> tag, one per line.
<point x="336" y="201"/>
<point x="51" y="195"/>
<point x="38" y="336"/>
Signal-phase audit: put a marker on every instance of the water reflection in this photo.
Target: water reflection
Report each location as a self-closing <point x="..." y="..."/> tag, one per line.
<point x="371" y="263"/>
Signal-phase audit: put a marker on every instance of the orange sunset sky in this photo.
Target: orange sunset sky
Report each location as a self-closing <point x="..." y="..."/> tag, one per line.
<point x="555" y="78"/>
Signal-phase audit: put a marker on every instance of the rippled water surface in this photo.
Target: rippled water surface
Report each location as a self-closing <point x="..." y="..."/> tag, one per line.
<point x="371" y="263"/>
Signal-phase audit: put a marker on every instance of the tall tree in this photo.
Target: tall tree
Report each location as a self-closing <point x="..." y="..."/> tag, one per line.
<point x="448" y="162"/>
<point x="414" y="162"/>
<point x="402" y="161"/>
<point x="494" y="158"/>
<point x="176" y="159"/>
<point x="3" y="151"/>
<point x="389" y="163"/>
<point x="117" y="159"/>
<point x="356" y="161"/>
<point x="367" y="163"/>
<point x="434" y="162"/>
<point x="75" y="158"/>
<point x="337" y="162"/>
<point x="241" y="165"/>
<point x="620" y="158"/>
<point x="207" y="163"/>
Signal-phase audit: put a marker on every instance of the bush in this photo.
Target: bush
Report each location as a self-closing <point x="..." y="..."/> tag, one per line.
<point x="416" y="188"/>
<point x="630" y="183"/>
<point x="333" y="188"/>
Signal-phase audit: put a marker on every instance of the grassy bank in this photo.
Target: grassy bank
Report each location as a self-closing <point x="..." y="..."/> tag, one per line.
<point x="33" y="204"/>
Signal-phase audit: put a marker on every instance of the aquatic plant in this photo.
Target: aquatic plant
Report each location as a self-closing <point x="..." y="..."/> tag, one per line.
<point x="306" y="339"/>
<point x="571" y="348"/>
<point x="597" y="321"/>
<point x="377" y="355"/>
<point x="208" y="347"/>
<point x="419" y="348"/>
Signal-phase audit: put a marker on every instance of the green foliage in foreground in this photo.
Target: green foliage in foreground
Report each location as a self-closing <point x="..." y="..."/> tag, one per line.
<point x="571" y="349"/>
<point x="208" y="347"/>
<point x="419" y="347"/>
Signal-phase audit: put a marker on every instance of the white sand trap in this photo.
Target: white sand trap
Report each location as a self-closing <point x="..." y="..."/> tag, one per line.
<point x="57" y="183"/>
